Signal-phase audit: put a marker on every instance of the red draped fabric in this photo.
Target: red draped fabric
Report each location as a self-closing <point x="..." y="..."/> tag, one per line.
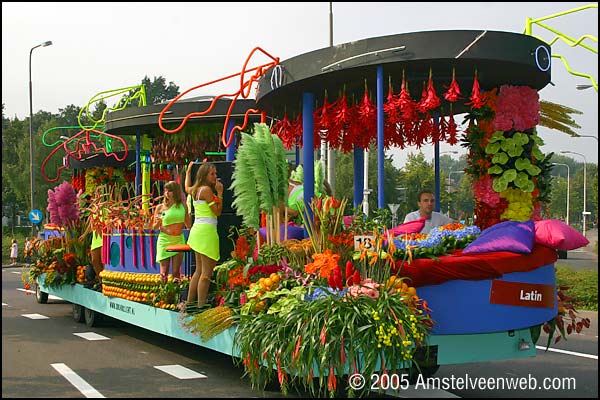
<point x="426" y="271"/>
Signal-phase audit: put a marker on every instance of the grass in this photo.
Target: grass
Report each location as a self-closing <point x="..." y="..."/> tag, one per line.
<point x="583" y="286"/>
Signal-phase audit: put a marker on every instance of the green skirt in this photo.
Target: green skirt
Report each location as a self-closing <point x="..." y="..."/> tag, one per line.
<point x="96" y="241"/>
<point x="204" y="239"/>
<point x="165" y="240"/>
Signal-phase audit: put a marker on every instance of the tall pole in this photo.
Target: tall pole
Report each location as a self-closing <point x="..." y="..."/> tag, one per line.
<point x="31" y="178"/>
<point x="584" y="213"/>
<point x="568" y="188"/>
<point x="330" y="151"/>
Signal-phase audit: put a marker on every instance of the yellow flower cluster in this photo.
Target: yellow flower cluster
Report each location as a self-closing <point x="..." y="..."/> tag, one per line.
<point x="419" y="336"/>
<point x="520" y="205"/>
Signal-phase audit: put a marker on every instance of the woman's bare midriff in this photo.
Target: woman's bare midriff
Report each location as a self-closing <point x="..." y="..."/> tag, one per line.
<point x="173" y="229"/>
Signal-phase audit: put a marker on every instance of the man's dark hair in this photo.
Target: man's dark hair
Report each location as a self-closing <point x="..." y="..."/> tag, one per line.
<point x="422" y="192"/>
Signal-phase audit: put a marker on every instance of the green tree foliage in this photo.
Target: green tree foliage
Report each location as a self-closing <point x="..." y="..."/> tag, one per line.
<point x="344" y="178"/>
<point x="157" y="90"/>
<point x="15" y="149"/>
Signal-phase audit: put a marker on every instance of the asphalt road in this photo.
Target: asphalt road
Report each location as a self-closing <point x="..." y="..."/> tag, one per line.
<point x="585" y="257"/>
<point x="51" y="357"/>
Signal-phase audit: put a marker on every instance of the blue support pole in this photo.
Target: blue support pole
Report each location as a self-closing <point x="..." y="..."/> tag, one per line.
<point x="138" y="163"/>
<point x="308" y="155"/>
<point x="230" y="151"/>
<point x="380" y="145"/>
<point x="436" y="150"/>
<point x="359" y="179"/>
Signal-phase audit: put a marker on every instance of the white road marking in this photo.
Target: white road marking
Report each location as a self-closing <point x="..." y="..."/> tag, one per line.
<point x="91" y="336"/>
<point x="571" y="353"/>
<point x="4" y="304"/>
<point x="50" y="296"/>
<point x="16" y="272"/>
<point x="35" y="316"/>
<point x="179" y="371"/>
<point x="85" y="388"/>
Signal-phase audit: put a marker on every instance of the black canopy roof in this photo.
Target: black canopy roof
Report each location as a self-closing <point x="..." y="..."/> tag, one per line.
<point x="498" y="57"/>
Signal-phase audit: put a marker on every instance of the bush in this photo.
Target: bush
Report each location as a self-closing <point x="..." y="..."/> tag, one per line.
<point x="583" y="286"/>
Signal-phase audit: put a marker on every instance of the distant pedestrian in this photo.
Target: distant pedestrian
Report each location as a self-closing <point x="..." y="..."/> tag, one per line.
<point x="14" y="251"/>
<point x="27" y="250"/>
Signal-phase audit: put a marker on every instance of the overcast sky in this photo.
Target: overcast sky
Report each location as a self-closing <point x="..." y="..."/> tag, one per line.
<point x="104" y="46"/>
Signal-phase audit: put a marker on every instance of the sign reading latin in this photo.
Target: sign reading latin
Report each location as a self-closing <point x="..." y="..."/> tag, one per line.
<point x="522" y="294"/>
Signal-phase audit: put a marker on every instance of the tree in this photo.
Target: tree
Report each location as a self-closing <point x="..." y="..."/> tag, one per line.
<point x="157" y="91"/>
<point x="344" y="178"/>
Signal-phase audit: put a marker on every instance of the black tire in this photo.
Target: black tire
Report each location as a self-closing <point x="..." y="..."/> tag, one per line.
<point x="92" y="318"/>
<point x="78" y="313"/>
<point x="41" y="297"/>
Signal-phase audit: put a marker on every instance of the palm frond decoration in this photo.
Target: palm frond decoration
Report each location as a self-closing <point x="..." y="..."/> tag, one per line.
<point x="263" y="138"/>
<point x="556" y="116"/>
<point x="282" y="169"/>
<point x="243" y="185"/>
<point x="258" y="165"/>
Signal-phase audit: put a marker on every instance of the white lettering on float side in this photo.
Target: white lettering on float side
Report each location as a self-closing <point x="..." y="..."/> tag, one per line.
<point x="533" y="295"/>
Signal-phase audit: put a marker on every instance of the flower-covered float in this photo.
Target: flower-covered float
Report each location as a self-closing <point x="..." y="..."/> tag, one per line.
<point x="354" y="297"/>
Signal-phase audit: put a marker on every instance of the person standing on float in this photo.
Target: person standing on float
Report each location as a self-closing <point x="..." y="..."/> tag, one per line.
<point x="207" y="195"/>
<point x="171" y="216"/>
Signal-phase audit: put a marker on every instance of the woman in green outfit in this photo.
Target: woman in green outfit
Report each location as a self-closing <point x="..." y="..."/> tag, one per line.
<point x="170" y="216"/>
<point x="207" y="195"/>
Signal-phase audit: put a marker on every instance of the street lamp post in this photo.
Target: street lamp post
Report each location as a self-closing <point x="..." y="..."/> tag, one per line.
<point x="584" y="213"/>
<point x="31" y="178"/>
<point x="568" y="187"/>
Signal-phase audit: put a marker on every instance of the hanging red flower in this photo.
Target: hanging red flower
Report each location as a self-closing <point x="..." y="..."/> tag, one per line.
<point x="341" y="121"/>
<point x="296" y="129"/>
<point x="476" y="98"/>
<point x="453" y="92"/>
<point x="408" y="110"/>
<point x="352" y="131"/>
<point x="391" y="135"/>
<point x="323" y="122"/>
<point x="451" y="132"/>
<point x="367" y="113"/>
<point x="429" y="99"/>
<point x="283" y="129"/>
<point x="423" y="130"/>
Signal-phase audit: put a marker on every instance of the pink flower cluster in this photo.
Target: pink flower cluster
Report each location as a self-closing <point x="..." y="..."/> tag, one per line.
<point x="366" y="287"/>
<point x="63" y="206"/>
<point x="484" y="191"/>
<point x="517" y="107"/>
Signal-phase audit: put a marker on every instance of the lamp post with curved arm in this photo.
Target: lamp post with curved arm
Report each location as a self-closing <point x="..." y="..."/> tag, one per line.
<point x="31" y="178"/>
<point x="584" y="213"/>
<point x="568" y="186"/>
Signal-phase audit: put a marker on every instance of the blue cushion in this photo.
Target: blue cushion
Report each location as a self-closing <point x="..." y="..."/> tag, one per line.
<point x="514" y="236"/>
<point x="294" y="232"/>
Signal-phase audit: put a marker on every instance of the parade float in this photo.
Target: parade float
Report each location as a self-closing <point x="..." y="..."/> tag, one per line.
<point x="353" y="297"/>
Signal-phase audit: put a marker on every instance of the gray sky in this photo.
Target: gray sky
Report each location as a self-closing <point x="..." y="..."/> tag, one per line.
<point x="104" y="46"/>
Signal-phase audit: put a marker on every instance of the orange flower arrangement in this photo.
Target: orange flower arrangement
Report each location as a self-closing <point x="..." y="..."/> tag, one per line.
<point x="236" y="277"/>
<point x="324" y="263"/>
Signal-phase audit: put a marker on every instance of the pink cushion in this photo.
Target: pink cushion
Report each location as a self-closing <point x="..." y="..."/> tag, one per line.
<point x="409" y="227"/>
<point x="556" y="234"/>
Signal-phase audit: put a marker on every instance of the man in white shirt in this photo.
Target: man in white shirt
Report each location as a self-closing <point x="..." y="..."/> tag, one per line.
<point x="433" y="219"/>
